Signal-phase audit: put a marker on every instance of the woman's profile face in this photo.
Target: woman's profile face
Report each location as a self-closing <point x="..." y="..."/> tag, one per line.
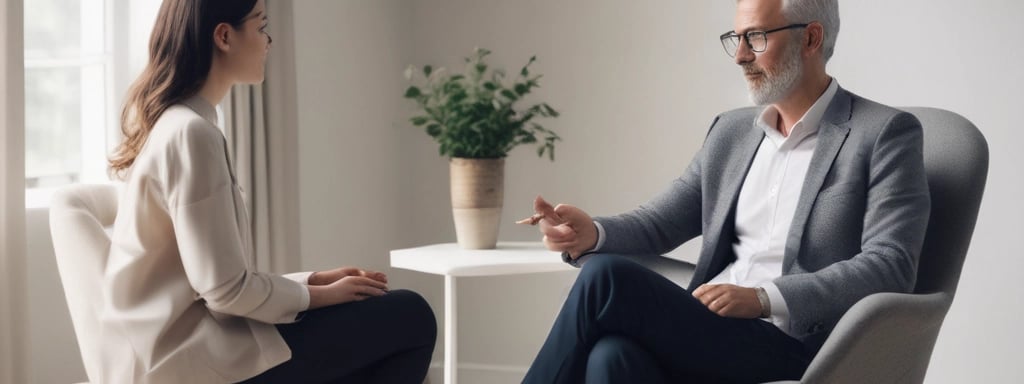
<point x="248" y="53"/>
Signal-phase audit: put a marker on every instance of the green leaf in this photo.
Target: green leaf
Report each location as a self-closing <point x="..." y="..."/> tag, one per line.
<point x="526" y="72"/>
<point x="522" y="89"/>
<point x="490" y="86"/>
<point x="551" y="112"/>
<point x="458" y="97"/>
<point x="412" y="92"/>
<point x="509" y="94"/>
<point x="434" y="130"/>
<point x="419" y="120"/>
<point x="427" y="70"/>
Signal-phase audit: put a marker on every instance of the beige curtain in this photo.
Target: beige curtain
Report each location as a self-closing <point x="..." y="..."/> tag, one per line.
<point x="260" y="124"/>
<point x="12" y="194"/>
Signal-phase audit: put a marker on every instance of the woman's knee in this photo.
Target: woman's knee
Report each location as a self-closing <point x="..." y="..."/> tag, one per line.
<point x="416" y="312"/>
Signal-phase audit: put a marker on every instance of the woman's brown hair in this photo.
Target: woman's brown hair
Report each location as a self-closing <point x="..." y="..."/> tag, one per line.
<point x="180" y="57"/>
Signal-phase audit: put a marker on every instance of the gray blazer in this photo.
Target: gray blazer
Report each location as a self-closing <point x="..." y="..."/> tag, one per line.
<point x="859" y="223"/>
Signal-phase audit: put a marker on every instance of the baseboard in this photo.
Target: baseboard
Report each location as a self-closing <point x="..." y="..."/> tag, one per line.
<point x="477" y="373"/>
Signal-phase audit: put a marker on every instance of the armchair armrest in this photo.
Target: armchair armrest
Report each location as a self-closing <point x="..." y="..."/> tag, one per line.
<point x="884" y="338"/>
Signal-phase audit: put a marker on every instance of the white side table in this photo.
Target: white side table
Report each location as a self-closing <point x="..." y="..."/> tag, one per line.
<point x="449" y="260"/>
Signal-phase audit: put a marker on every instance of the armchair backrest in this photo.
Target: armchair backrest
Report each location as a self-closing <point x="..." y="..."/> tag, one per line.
<point x="79" y="218"/>
<point x="956" y="161"/>
<point x="889" y="337"/>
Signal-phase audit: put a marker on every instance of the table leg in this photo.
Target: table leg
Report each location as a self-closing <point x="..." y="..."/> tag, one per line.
<point x="450" y="330"/>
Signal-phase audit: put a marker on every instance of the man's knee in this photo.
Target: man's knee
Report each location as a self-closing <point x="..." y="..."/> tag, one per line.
<point x="608" y="351"/>
<point x="617" y="359"/>
<point x="604" y="267"/>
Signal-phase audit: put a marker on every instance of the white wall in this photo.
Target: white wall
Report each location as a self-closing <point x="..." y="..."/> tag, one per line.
<point x="951" y="54"/>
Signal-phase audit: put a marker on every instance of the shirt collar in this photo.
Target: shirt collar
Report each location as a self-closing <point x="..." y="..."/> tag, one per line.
<point x="806" y="126"/>
<point x="202" y="107"/>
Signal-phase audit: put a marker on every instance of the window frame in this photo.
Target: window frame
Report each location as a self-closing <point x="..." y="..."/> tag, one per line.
<point x="122" y="57"/>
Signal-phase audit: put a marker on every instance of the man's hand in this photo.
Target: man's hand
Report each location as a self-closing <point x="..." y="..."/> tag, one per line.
<point x="330" y="276"/>
<point x="729" y="300"/>
<point x="566" y="228"/>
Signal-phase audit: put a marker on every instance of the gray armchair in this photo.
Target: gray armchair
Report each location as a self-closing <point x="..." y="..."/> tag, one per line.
<point x="889" y="337"/>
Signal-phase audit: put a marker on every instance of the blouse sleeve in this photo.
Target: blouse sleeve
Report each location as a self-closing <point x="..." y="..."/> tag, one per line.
<point x="208" y="226"/>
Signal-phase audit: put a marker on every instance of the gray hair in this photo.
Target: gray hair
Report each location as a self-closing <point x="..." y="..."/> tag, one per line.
<point x="825" y="12"/>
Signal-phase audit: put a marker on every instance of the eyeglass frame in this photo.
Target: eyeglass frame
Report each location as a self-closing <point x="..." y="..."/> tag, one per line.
<point x="746" y="37"/>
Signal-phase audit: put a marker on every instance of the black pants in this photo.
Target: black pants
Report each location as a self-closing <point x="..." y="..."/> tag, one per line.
<point x="623" y="323"/>
<point x="386" y="339"/>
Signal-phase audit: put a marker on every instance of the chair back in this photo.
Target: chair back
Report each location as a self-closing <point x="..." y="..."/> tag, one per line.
<point x="956" y="163"/>
<point x="889" y="337"/>
<point x="80" y="216"/>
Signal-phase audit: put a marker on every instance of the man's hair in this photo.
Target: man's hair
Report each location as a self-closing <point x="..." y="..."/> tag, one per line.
<point x="825" y="12"/>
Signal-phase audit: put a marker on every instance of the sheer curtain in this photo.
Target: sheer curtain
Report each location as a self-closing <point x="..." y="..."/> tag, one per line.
<point x="12" y="193"/>
<point x="260" y="124"/>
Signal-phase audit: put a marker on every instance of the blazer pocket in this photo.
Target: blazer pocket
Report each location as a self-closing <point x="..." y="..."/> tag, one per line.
<point x="840" y="189"/>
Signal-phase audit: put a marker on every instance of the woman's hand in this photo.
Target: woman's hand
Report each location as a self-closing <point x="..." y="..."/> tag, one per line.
<point x="345" y="289"/>
<point x="343" y="285"/>
<point x="330" y="276"/>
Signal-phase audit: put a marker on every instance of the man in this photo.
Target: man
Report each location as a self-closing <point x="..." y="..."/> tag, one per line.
<point x="806" y="204"/>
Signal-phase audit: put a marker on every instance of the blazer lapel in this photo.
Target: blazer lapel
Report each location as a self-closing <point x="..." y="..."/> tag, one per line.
<point x="733" y="174"/>
<point x="832" y="133"/>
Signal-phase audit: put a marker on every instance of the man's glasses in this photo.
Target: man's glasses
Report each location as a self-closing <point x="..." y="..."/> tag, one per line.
<point x="757" y="41"/>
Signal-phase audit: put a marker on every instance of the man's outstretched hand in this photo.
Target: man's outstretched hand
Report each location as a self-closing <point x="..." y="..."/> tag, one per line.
<point x="565" y="227"/>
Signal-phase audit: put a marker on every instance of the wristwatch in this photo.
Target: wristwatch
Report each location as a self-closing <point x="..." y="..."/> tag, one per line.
<point x="574" y="262"/>
<point x="766" y="305"/>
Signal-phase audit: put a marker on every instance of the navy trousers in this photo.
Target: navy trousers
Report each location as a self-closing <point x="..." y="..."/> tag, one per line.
<point x="386" y="339"/>
<point x="623" y="323"/>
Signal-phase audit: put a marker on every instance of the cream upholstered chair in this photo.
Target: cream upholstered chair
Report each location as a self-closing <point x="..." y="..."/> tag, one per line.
<point x="889" y="337"/>
<point x="80" y="216"/>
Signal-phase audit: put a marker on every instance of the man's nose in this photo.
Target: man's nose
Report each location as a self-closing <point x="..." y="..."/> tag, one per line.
<point x="743" y="52"/>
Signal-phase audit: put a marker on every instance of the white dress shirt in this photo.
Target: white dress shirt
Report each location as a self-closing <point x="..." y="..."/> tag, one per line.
<point x="179" y="284"/>
<point x="768" y="201"/>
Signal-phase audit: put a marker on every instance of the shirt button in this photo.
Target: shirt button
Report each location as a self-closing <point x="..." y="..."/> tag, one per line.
<point x="774" y="189"/>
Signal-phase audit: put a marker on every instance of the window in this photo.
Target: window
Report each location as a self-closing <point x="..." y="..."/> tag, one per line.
<point x="80" y="57"/>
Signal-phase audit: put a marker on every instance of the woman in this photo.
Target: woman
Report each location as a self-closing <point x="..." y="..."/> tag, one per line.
<point x="179" y="287"/>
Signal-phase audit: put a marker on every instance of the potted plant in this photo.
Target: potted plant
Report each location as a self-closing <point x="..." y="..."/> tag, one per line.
<point x="475" y="119"/>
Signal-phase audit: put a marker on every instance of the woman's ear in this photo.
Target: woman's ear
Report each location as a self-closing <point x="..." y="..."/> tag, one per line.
<point x="221" y="36"/>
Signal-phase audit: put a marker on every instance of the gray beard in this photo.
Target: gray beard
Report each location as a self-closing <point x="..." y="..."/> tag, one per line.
<point x="776" y="85"/>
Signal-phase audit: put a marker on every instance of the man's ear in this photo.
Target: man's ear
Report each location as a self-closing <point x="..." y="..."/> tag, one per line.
<point x="222" y="37"/>
<point x="815" y="37"/>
